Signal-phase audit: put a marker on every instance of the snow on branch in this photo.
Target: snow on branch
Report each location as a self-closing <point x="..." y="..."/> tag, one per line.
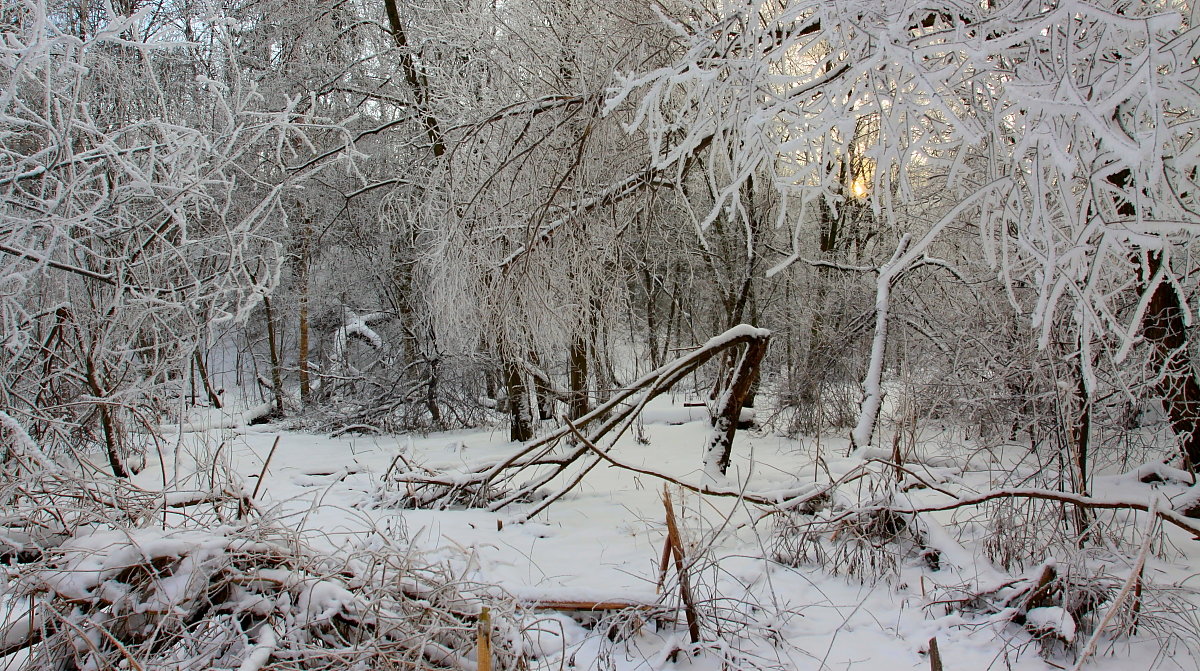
<point x="1167" y="514"/>
<point x="22" y="446"/>
<point x="358" y="326"/>
<point x="485" y="484"/>
<point x="1097" y="157"/>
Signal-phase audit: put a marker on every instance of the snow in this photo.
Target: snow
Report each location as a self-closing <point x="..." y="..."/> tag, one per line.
<point x="23" y="445"/>
<point x="355" y="325"/>
<point x="603" y="542"/>
<point x="262" y="650"/>
<point x="1051" y="621"/>
<point x="91" y="559"/>
<point x="219" y="419"/>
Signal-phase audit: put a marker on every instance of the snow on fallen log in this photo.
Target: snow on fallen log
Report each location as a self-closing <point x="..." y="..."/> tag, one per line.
<point x="221" y="420"/>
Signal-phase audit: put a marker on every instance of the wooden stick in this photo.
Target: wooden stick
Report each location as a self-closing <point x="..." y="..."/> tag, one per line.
<point x="935" y="655"/>
<point x="685" y="588"/>
<point x="663" y="563"/>
<point x="1126" y="589"/>
<point x="484" y="631"/>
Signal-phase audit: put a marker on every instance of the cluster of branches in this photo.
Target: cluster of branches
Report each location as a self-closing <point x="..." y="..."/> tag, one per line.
<point x="409" y="217"/>
<point x="105" y="574"/>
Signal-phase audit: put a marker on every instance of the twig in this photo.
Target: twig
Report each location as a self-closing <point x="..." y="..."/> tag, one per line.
<point x="609" y="604"/>
<point x="263" y="473"/>
<point x="760" y="499"/>
<point x="1171" y="516"/>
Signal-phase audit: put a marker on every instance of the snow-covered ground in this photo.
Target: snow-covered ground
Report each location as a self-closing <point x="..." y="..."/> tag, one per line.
<point x="604" y="541"/>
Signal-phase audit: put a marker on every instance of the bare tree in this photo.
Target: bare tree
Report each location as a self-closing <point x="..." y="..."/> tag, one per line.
<point x="131" y="225"/>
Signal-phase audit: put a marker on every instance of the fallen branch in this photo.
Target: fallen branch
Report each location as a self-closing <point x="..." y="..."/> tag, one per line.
<point x="1134" y="579"/>
<point x="792" y="497"/>
<point x="1167" y="515"/>
<point x="589" y="606"/>
<point x="608" y="421"/>
<point x="681" y="569"/>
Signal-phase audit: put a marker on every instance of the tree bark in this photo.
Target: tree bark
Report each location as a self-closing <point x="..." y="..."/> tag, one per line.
<point x="651" y="319"/>
<point x="726" y="421"/>
<point x="302" y="345"/>
<point x="1081" y="436"/>
<point x="541" y="390"/>
<point x="202" y="371"/>
<point x="520" y="426"/>
<point x="415" y="77"/>
<point x="107" y="423"/>
<point x="1164" y="328"/>
<point x="577" y="377"/>
<point x="872" y="384"/>
<point x="276" y="364"/>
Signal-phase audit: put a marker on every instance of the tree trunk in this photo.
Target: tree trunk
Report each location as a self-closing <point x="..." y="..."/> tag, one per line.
<point x="1081" y="435"/>
<point x="872" y="384"/>
<point x="302" y="350"/>
<point x="520" y="426"/>
<point x="1164" y="328"/>
<point x="577" y="377"/>
<point x="276" y="364"/>
<point x="302" y="265"/>
<point x="415" y="77"/>
<point x="107" y="423"/>
<point x="541" y="390"/>
<point x="431" y="393"/>
<point x="202" y="371"/>
<point x="725" y="423"/>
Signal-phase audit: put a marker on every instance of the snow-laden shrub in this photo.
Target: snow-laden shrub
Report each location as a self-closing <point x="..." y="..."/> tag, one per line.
<point x="853" y="532"/>
<point x="248" y="595"/>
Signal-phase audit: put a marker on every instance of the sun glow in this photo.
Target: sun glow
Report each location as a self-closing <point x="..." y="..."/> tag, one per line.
<point x="859" y="188"/>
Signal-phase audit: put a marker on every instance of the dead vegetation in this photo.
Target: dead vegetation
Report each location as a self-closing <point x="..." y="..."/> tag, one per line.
<point x="104" y="575"/>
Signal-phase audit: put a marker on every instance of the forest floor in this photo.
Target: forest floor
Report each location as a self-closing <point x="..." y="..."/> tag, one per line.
<point x="604" y="540"/>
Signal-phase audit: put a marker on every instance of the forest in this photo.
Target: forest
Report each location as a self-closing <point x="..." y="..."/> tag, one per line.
<point x="767" y="334"/>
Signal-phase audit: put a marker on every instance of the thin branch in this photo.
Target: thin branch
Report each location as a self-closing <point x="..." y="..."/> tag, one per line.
<point x="1187" y="524"/>
<point x="84" y="272"/>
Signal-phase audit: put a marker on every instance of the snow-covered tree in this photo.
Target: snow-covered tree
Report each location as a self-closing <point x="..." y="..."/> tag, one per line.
<point x="1060" y="132"/>
<point x="135" y="205"/>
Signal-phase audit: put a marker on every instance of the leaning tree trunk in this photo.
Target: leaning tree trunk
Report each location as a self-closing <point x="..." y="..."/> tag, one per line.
<point x="872" y="384"/>
<point x="202" y="371"/>
<point x="726" y="419"/>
